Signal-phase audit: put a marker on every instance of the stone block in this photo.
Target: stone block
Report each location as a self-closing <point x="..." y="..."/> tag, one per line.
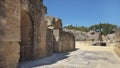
<point x="37" y="12"/>
<point x="34" y="28"/>
<point x="9" y="54"/>
<point x="39" y="36"/>
<point x="65" y="41"/>
<point x="26" y="44"/>
<point x="10" y="20"/>
<point x="50" y="42"/>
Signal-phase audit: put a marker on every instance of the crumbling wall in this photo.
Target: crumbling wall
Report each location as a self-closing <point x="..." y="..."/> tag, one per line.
<point x="37" y="12"/>
<point x="26" y="36"/>
<point x="84" y="36"/>
<point x="50" y="42"/>
<point x="22" y="22"/>
<point x="64" y="41"/>
<point x="79" y="35"/>
<point x="9" y="20"/>
<point x="33" y="29"/>
<point x="9" y="33"/>
<point x="53" y="22"/>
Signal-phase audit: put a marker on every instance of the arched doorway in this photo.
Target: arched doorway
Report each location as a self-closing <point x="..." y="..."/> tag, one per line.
<point x="26" y="44"/>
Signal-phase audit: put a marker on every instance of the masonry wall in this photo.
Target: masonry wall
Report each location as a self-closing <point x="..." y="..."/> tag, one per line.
<point x="33" y="30"/>
<point x="26" y="44"/>
<point x="65" y="41"/>
<point x="53" y="22"/>
<point x="50" y="42"/>
<point x="37" y="12"/>
<point x="24" y="34"/>
<point x="9" y="33"/>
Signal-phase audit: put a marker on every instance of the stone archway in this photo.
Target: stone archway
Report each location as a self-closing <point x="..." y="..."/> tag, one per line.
<point x="26" y="44"/>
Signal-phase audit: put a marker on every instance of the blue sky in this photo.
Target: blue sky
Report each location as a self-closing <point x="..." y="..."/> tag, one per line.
<point x="84" y="12"/>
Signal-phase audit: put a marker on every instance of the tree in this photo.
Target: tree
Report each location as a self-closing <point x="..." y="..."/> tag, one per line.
<point x="104" y="28"/>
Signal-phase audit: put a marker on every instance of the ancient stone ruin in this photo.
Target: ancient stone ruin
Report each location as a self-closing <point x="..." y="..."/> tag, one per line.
<point x="53" y="23"/>
<point x="92" y="36"/>
<point x="24" y="34"/>
<point x="33" y="29"/>
<point x="84" y="36"/>
<point x="62" y="41"/>
<point x="9" y="33"/>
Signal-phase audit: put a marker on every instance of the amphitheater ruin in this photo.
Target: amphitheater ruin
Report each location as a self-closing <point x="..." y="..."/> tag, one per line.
<point x="27" y="34"/>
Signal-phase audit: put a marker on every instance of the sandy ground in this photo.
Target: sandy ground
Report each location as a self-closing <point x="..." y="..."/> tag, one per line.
<point x="86" y="56"/>
<point x="88" y="46"/>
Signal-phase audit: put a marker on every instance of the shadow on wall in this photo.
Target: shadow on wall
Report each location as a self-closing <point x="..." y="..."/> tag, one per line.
<point x="45" y="61"/>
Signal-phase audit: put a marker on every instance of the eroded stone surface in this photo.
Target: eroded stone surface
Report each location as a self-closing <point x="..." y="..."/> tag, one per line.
<point x="32" y="35"/>
<point x="85" y="36"/>
<point x="9" y="33"/>
<point x="37" y="12"/>
<point x="9" y="54"/>
<point x="53" y="22"/>
<point x="50" y="42"/>
<point x="9" y="20"/>
<point x="64" y="41"/>
<point x="34" y="29"/>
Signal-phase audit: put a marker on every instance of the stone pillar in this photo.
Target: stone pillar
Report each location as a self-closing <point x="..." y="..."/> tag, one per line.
<point x="37" y="12"/>
<point x="34" y="28"/>
<point x="26" y="44"/>
<point x="9" y="33"/>
<point x="50" y="42"/>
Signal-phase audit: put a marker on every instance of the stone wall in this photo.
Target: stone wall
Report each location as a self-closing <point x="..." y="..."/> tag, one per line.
<point x="117" y="43"/>
<point x="50" y="42"/>
<point x="24" y="34"/>
<point x="37" y="12"/>
<point x="33" y="30"/>
<point x="9" y="33"/>
<point x="9" y="54"/>
<point x="10" y="20"/>
<point x="53" y="22"/>
<point x="84" y="36"/>
<point x="64" y="41"/>
<point x="79" y="35"/>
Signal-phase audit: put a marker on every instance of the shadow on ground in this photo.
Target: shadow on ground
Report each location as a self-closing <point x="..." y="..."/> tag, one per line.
<point x="45" y="61"/>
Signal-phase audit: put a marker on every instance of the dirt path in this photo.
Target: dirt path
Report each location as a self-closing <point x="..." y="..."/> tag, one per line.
<point x="85" y="56"/>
